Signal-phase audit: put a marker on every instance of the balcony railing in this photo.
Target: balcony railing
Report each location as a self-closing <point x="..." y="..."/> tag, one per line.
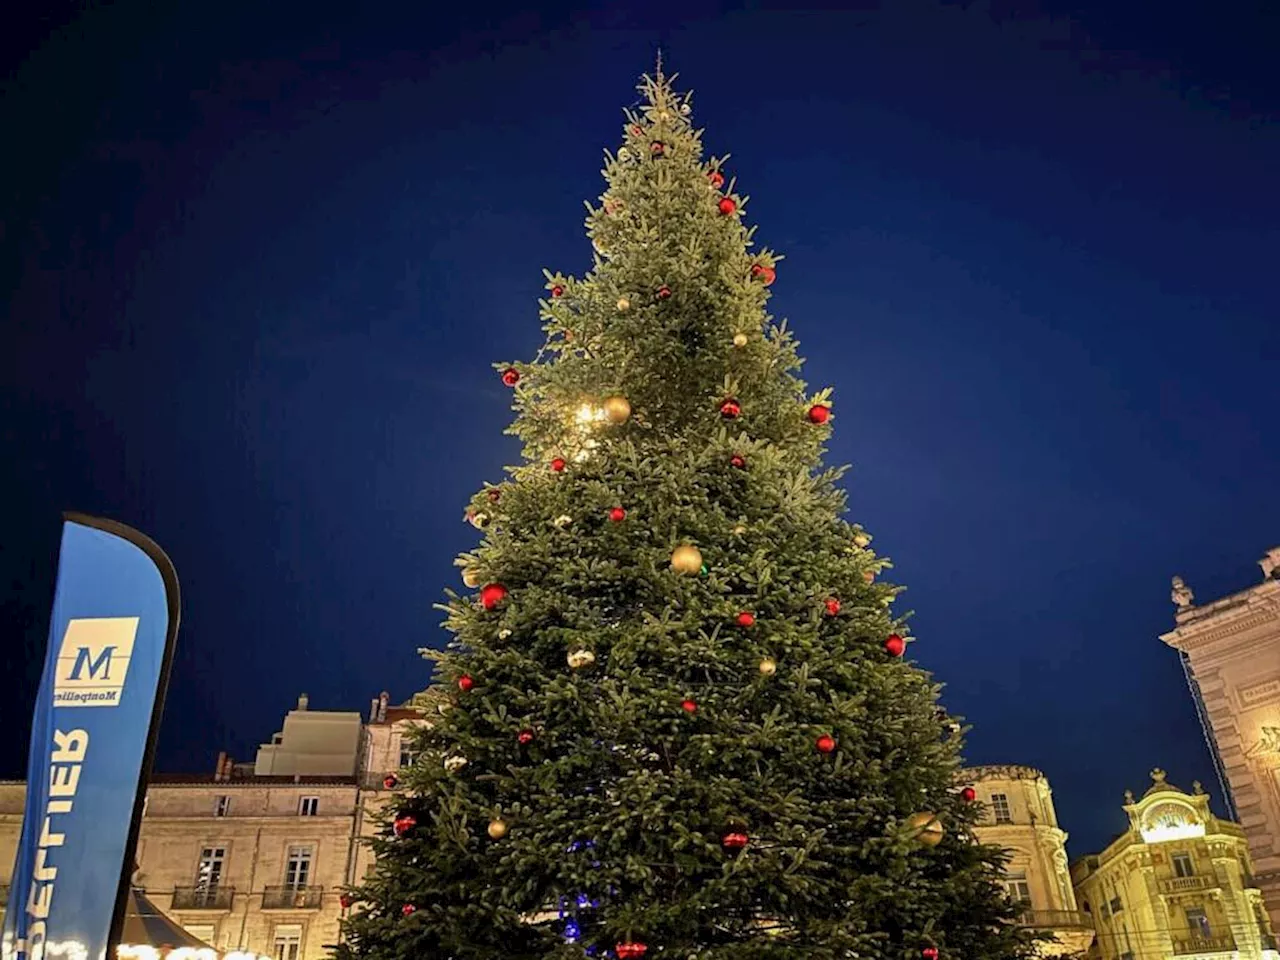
<point x="1056" y="919"/>
<point x="292" y="898"/>
<point x="1186" y="884"/>
<point x="1182" y="948"/>
<point x="202" y="898"/>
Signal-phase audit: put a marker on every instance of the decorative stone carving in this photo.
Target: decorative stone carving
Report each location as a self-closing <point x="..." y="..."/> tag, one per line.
<point x="1269" y="744"/>
<point x="1182" y="596"/>
<point x="1270" y="564"/>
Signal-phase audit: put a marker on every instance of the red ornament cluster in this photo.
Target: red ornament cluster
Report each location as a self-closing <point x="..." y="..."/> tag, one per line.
<point x="524" y="737"/>
<point x="631" y="950"/>
<point x="689" y="706"/>
<point x="557" y="291"/>
<point x="730" y="409"/>
<point x="929" y="953"/>
<point x="716" y="178"/>
<point x="832" y="605"/>
<point x="390" y="781"/>
<point x="345" y="901"/>
<point x="735" y="840"/>
<point x="407" y="909"/>
<point x="968" y="794"/>
<point x="657" y="148"/>
<point x="465" y="683"/>
<point x="894" y="645"/>
<point x="558" y="464"/>
<point x="738" y="461"/>
<point x="511" y="376"/>
<point x="819" y="413"/>
<point x="825" y="743"/>
<point x="765" y="275"/>
<point x="664" y="292"/>
<point x="617" y="514"/>
<point x="727" y="205"/>
<point x="494" y="494"/>
<point x="636" y="130"/>
<point x="746" y="619"/>
<point x="492" y="594"/>
<point x="403" y="825"/>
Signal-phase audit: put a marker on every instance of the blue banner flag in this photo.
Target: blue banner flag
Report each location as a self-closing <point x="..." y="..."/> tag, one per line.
<point x="111" y="636"/>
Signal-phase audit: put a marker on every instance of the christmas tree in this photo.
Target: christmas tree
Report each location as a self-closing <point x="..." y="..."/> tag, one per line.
<point x="680" y="719"/>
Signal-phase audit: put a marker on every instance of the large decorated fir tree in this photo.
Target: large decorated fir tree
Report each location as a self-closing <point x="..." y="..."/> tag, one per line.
<point x="681" y="718"/>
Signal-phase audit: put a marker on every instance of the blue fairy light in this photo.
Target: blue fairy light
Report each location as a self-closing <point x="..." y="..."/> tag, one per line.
<point x="572" y="931"/>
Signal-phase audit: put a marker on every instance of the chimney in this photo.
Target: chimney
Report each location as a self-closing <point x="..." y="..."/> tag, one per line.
<point x="219" y="768"/>
<point x="383" y="697"/>
<point x="373" y="710"/>
<point x="302" y="701"/>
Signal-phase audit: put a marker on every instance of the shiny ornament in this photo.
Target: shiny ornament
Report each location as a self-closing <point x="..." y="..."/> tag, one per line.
<point x="768" y="275"/>
<point x="689" y="706"/>
<point x="832" y="606"/>
<point x="504" y="633"/>
<point x="925" y="828"/>
<point x="819" y="413"/>
<point x="757" y="269"/>
<point x="739" y="530"/>
<point x="686" y="558"/>
<point x="825" y="743"/>
<point x="740" y="339"/>
<point x="735" y="840"/>
<point x="894" y="645"/>
<point x="868" y="577"/>
<point x="685" y="109"/>
<point x="471" y="578"/>
<point x="494" y="494"/>
<point x="497" y="829"/>
<point x="631" y="950"/>
<point x="664" y="292"/>
<point x="455" y="763"/>
<point x="636" y="130"/>
<point x="477" y="520"/>
<point x="968" y="794"/>
<point x="403" y="825"/>
<point x="465" y="683"/>
<point x="617" y="514"/>
<point x="929" y="953"/>
<point x="408" y="909"/>
<point x="657" y="148"/>
<point x="617" y="409"/>
<point x="558" y="464"/>
<point x="768" y="667"/>
<point x="511" y="376"/>
<point x="624" y="153"/>
<point x="390" y="781"/>
<point x="745" y="619"/>
<point x="862" y="539"/>
<point x="727" y="206"/>
<point x="738" y="461"/>
<point x="492" y="594"/>
<point x="624" y="304"/>
<point x="730" y="409"/>
<point x="716" y="178"/>
<point x="345" y="901"/>
<point x="581" y="658"/>
<point x="557" y="291"/>
<point x="524" y="737"/>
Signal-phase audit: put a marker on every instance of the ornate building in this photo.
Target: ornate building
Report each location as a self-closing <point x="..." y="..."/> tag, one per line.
<point x="1020" y="817"/>
<point x="1230" y="650"/>
<point x="1177" y="883"/>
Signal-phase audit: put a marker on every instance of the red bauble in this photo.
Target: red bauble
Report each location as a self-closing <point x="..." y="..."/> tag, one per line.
<point x="390" y="781"/>
<point x="407" y="909"/>
<point x="746" y="619"/>
<point x="558" y="464"/>
<point x="768" y="275"/>
<point x="730" y="409"/>
<point x="465" y="683"/>
<point x="636" y="130"/>
<point x="894" y="645"/>
<point x="524" y="737"/>
<point x="738" y="460"/>
<point x="716" y="178"/>
<point x="657" y="148"/>
<point x="492" y="594"/>
<point x="968" y="794"/>
<point x="689" y="706"/>
<point x="617" y="514"/>
<point x="832" y="605"/>
<point x="819" y="413"/>
<point x="511" y="376"/>
<point x="929" y="953"/>
<point x="403" y="825"/>
<point x="757" y="269"/>
<point x="345" y="901"/>
<point x="727" y="205"/>
<point x="825" y="743"/>
<point x="631" y="950"/>
<point x="664" y="292"/>
<point x="735" y="840"/>
<point x="494" y="494"/>
<point x="557" y="291"/>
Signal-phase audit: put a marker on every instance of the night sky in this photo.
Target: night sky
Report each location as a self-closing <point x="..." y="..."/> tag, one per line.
<point x="256" y="265"/>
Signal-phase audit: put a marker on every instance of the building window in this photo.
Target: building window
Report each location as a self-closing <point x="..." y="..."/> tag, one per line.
<point x="287" y="942"/>
<point x="1198" y="922"/>
<point x="1182" y="865"/>
<point x="308" y="806"/>
<point x="297" y="867"/>
<point x="407" y="754"/>
<point x="209" y="869"/>
<point x="1000" y="808"/>
<point x="1116" y="905"/>
<point x="222" y="806"/>
<point x="1019" y="889"/>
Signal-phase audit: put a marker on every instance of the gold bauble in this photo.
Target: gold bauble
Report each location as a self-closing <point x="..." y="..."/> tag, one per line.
<point x="869" y="576"/>
<point x="768" y="667"/>
<point x="581" y="658"/>
<point x="624" y="303"/>
<point x="739" y="339"/>
<point x="862" y="539"/>
<point x="925" y="828"/>
<point x="740" y="529"/>
<point x="497" y="829"/>
<point x="471" y="577"/>
<point x="686" y="559"/>
<point x="617" y="409"/>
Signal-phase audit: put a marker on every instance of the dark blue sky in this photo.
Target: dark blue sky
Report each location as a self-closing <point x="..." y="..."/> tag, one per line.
<point x="256" y="266"/>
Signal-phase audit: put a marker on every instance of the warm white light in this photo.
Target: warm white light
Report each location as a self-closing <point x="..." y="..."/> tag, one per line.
<point x="1161" y="833"/>
<point x="588" y="415"/>
<point x="143" y="951"/>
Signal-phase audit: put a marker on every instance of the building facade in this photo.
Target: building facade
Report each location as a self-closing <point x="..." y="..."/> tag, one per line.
<point x="1020" y="817"/>
<point x="1231" y="651"/>
<point x="1178" y="883"/>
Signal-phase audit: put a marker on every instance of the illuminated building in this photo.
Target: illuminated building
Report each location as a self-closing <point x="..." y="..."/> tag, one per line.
<point x="1177" y="883"/>
<point x="1019" y="816"/>
<point x="1230" y="649"/>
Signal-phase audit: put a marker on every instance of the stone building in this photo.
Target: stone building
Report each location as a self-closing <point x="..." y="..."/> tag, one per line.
<point x="1177" y="883"/>
<point x="1020" y="817"/>
<point x="1230" y="649"/>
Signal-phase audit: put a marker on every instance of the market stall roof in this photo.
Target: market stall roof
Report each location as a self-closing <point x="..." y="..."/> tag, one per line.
<point x="144" y="924"/>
